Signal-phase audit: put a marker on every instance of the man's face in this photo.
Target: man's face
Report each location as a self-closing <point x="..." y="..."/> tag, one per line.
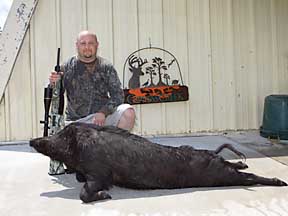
<point x="87" y="48"/>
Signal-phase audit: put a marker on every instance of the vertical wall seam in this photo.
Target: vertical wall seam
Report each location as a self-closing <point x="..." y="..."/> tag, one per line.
<point x="84" y="15"/>
<point x="7" y="113"/>
<point x="234" y="80"/>
<point x="138" y="45"/>
<point x="58" y="24"/>
<point x="188" y="123"/>
<point x="137" y="15"/>
<point x="252" y="19"/>
<point x="212" y="122"/>
<point x="34" y="114"/>
<point x="2" y="100"/>
<point x="275" y="48"/>
<point x="163" y="105"/>
<point x="113" y="30"/>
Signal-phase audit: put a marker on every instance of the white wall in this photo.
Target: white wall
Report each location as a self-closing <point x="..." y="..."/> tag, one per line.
<point x="232" y="53"/>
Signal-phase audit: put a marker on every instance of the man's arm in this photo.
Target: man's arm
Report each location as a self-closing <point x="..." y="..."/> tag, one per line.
<point x="115" y="91"/>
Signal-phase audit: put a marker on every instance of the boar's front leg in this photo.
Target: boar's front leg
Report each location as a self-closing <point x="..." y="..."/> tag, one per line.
<point x="93" y="191"/>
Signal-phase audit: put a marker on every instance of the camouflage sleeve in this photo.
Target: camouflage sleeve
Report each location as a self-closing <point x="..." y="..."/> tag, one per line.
<point x="116" y="93"/>
<point x="62" y="70"/>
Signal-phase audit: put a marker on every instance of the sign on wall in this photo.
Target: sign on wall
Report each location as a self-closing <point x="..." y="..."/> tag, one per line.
<point x="153" y="75"/>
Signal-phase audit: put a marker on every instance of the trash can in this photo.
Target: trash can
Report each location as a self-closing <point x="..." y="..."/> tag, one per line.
<point x="275" y="117"/>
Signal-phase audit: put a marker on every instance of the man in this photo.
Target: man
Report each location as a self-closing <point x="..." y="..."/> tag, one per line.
<point x="93" y="88"/>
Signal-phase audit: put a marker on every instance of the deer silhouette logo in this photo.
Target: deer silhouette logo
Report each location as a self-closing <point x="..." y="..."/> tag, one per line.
<point x="135" y="67"/>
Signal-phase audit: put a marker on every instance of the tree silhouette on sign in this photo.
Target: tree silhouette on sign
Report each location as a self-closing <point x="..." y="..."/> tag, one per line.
<point x="151" y="72"/>
<point x="159" y="65"/>
<point x="167" y="78"/>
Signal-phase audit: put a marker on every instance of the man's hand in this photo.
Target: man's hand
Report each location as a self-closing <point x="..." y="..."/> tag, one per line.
<point x="99" y="119"/>
<point x="54" y="77"/>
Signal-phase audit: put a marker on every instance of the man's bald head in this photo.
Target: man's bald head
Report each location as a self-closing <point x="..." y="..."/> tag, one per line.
<point x="86" y="33"/>
<point x="87" y="46"/>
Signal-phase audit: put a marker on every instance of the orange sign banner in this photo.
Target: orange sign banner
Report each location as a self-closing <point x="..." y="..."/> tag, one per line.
<point x="157" y="94"/>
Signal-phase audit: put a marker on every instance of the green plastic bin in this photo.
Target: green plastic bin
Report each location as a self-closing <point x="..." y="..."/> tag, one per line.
<point x="275" y="117"/>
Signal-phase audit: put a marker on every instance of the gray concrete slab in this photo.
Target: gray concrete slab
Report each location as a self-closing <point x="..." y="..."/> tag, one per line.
<point x="27" y="189"/>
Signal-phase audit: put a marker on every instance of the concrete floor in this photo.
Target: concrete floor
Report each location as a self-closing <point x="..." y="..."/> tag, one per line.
<point x="27" y="189"/>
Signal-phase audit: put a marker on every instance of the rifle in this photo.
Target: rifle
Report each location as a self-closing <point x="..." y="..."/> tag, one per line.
<point x="54" y="96"/>
<point x="47" y="103"/>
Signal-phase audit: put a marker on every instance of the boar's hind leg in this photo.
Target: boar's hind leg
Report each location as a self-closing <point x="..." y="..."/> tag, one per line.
<point x="93" y="191"/>
<point x="251" y="179"/>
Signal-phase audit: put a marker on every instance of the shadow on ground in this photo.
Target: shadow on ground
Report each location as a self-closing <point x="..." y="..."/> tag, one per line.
<point x="73" y="189"/>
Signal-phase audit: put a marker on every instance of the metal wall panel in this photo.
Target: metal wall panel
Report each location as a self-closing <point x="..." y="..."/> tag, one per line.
<point x="281" y="48"/>
<point x="232" y="53"/>
<point x="199" y="65"/>
<point x="18" y="92"/>
<point x="245" y="67"/>
<point x="223" y="76"/>
<point x="15" y="109"/>
<point x="265" y="44"/>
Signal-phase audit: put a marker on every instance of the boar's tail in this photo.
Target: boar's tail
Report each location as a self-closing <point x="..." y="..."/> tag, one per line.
<point x="231" y="148"/>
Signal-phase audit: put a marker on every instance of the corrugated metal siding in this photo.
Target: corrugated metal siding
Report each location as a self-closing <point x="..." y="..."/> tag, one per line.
<point x="223" y="76"/>
<point x="245" y="68"/>
<point x="232" y="54"/>
<point x="281" y="44"/>
<point x="199" y="65"/>
<point x="18" y="105"/>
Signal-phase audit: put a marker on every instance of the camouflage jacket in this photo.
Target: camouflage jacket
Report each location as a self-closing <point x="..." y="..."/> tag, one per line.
<point x="91" y="88"/>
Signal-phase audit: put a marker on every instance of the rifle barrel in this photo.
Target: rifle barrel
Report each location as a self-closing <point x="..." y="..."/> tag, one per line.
<point x="57" y="67"/>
